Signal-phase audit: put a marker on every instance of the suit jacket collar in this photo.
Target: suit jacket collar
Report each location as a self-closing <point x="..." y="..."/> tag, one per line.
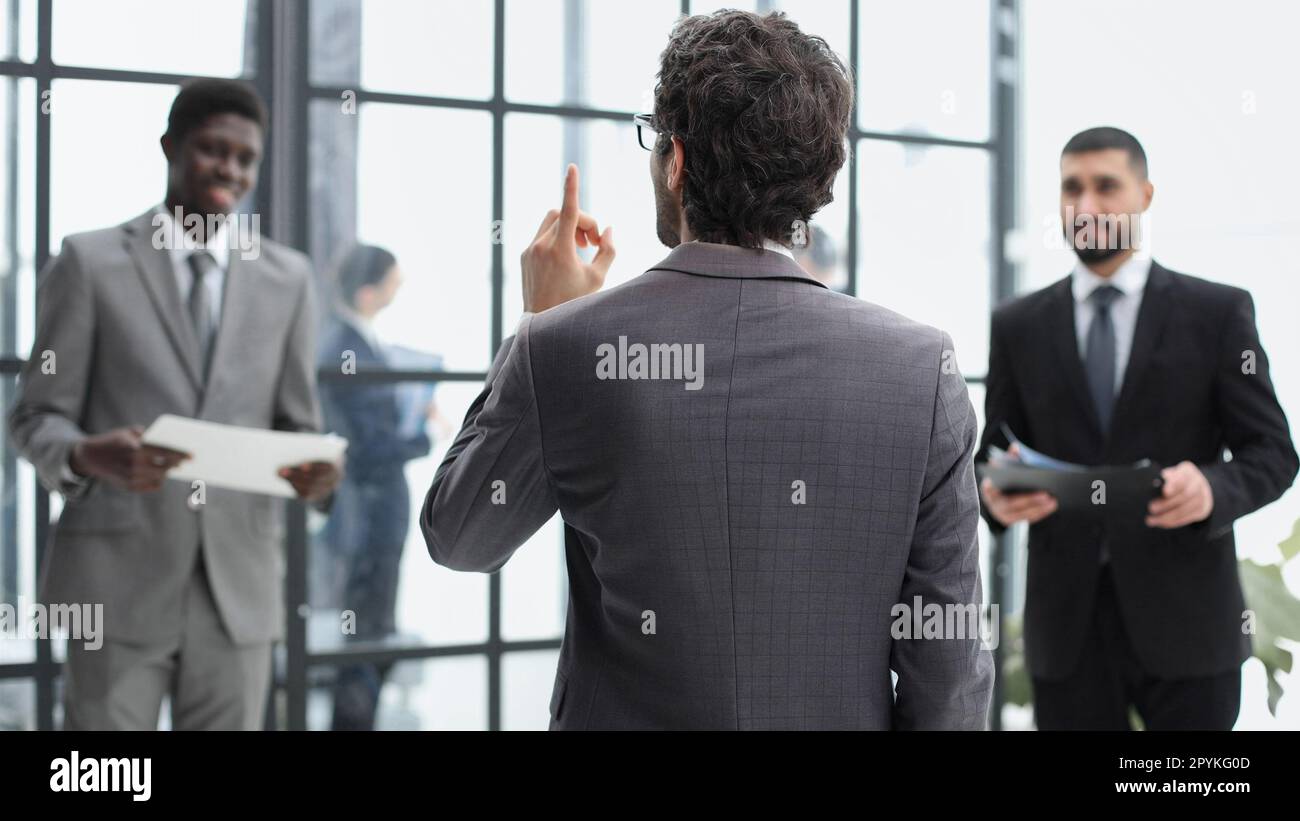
<point x="1150" y="324"/>
<point x="183" y="243"/>
<point x="145" y="240"/>
<point x="345" y="335"/>
<point x="1157" y="302"/>
<point x="711" y="259"/>
<point x="154" y="264"/>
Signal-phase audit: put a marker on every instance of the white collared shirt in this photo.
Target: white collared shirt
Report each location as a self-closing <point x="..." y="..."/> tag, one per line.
<point x="1130" y="279"/>
<point x="362" y="326"/>
<point x="772" y="245"/>
<point x="180" y="246"/>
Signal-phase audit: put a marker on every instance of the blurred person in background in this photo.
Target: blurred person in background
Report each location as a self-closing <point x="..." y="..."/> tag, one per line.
<point x="371" y="514"/>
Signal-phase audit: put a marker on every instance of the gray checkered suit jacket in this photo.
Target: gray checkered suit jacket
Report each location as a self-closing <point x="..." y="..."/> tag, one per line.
<point x="735" y="552"/>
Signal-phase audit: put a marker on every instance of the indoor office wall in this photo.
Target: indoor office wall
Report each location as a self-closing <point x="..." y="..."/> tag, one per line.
<point x="1212" y="97"/>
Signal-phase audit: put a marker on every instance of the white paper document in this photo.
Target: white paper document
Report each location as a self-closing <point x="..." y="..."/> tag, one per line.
<point x="247" y="459"/>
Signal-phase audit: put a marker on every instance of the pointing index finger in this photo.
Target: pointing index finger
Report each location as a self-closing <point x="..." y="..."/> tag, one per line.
<point x="569" y="210"/>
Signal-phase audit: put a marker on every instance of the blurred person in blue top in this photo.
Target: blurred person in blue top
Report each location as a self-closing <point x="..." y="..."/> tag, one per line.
<point x="367" y="527"/>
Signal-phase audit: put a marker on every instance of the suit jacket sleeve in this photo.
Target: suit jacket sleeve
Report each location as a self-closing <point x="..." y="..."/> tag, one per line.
<point x="44" y="423"/>
<point x="1001" y="405"/>
<point x="297" y="403"/>
<point x="1264" y="461"/>
<point x="945" y="683"/>
<point x="492" y="492"/>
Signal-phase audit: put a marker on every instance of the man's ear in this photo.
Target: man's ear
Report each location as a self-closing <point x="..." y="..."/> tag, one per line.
<point x="677" y="165"/>
<point x="1148" y="191"/>
<point x="168" y="147"/>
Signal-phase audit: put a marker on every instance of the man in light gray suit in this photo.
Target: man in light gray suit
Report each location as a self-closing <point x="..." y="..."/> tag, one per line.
<point x="763" y="482"/>
<point x="171" y="312"/>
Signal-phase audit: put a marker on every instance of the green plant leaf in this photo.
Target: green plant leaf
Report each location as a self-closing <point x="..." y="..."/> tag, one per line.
<point x="1291" y="546"/>
<point x="1277" y="614"/>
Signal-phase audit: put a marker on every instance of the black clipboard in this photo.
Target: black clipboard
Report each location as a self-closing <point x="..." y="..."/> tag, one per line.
<point x="1099" y="491"/>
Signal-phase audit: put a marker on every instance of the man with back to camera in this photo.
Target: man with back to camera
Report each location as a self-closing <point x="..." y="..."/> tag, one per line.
<point x="1124" y="360"/>
<point x="744" y="511"/>
<point x="160" y="315"/>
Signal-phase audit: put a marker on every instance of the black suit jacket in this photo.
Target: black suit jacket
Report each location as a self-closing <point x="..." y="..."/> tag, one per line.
<point x="1185" y="396"/>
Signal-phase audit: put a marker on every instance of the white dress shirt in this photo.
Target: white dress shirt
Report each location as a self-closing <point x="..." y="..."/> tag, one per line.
<point x="772" y="245"/>
<point x="180" y="247"/>
<point x="778" y="247"/>
<point x="1130" y="279"/>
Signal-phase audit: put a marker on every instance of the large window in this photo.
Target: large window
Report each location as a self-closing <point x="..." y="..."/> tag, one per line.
<point x="439" y="131"/>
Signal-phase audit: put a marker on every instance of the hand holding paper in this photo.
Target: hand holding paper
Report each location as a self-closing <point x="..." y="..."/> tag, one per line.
<point x="312" y="480"/>
<point x="1010" y="508"/>
<point x="252" y="460"/>
<point x="120" y="456"/>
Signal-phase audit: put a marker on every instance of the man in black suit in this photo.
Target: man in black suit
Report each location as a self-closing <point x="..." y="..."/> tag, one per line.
<point x="1120" y="361"/>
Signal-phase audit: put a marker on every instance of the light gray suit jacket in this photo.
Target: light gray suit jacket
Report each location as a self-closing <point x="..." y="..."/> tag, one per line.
<point x="124" y="352"/>
<point x="734" y="552"/>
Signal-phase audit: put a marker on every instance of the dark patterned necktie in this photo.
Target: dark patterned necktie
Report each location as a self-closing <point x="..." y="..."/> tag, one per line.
<point x="202" y="264"/>
<point x="1099" y="360"/>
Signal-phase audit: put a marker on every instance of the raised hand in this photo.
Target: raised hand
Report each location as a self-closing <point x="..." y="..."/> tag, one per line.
<point x="553" y="273"/>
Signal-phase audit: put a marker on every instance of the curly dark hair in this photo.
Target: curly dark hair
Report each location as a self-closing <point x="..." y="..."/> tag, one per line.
<point x="762" y="110"/>
<point x="205" y="97"/>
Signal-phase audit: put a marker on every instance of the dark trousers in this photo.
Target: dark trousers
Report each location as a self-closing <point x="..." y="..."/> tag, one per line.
<point x="1109" y="679"/>
<point x="367" y="531"/>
